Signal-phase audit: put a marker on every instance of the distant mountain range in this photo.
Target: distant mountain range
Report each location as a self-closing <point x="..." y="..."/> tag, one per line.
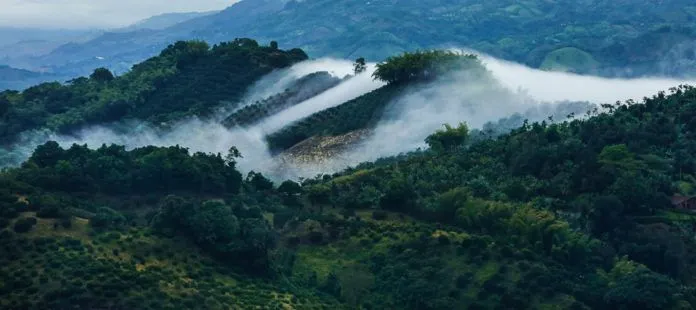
<point x="610" y="38"/>
<point x="21" y="47"/>
<point x="13" y="78"/>
<point x="163" y="21"/>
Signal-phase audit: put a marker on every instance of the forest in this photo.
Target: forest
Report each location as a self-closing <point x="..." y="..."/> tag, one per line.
<point x="566" y="214"/>
<point x="188" y="78"/>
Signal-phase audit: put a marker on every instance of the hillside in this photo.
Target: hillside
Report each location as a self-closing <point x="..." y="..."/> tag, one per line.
<point x="163" y="21"/>
<point x="533" y="207"/>
<point x="186" y="79"/>
<point x="13" y="78"/>
<point x="300" y="90"/>
<point x="551" y="215"/>
<point x="616" y="34"/>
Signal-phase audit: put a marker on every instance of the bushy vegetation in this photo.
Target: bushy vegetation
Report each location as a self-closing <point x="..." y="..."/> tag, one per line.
<point x="112" y="170"/>
<point x="423" y="66"/>
<point x="186" y="79"/>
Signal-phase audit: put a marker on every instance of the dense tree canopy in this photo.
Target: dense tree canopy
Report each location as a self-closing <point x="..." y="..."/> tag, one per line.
<point x="423" y="66"/>
<point x="188" y="78"/>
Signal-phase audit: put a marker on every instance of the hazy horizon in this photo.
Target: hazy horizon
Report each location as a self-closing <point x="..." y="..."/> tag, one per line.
<point x="85" y="14"/>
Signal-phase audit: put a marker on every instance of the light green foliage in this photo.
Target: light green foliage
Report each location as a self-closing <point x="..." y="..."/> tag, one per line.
<point x="448" y="139"/>
<point x="618" y="156"/>
<point x="569" y="59"/>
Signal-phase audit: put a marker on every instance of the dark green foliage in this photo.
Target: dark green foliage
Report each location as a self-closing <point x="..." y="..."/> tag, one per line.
<point x="642" y="289"/>
<point x="66" y="222"/>
<point x="289" y="187"/>
<point x="332" y="285"/>
<point x="259" y="182"/>
<point x="422" y="66"/>
<point x="379" y="215"/>
<point x="4" y="106"/>
<point x="24" y="225"/>
<point x="48" y="206"/>
<point x="610" y="172"/>
<point x="359" y="66"/>
<point x="213" y="225"/>
<point x="102" y="75"/>
<point x="144" y="170"/>
<point x="108" y="219"/>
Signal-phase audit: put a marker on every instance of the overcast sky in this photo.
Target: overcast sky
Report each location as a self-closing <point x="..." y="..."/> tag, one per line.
<point x="94" y="13"/>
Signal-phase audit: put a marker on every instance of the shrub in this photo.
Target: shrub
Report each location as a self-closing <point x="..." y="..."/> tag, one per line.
<point x="463" y="281"/>
<point x="8" y="212"/>
<point x="51" y="212"/>
<point x="316" y="237"/>
<point x="66" y="222"/>
<point x="379" y="215"/>
<point x="24" y="225"/>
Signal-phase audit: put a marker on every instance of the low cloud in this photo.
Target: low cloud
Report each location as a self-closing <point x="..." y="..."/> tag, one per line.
<point x="408" y="120"/>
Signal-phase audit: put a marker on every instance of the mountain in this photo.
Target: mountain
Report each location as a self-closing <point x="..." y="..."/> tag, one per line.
<point x="560" y="213"/>
<point x="614" y="38"/>
<point x="17" y="45"/>
<point x="13" y="78"/>
<point x="13" y="35"/>
<point x="163" y="21"/>
<point x="20" y="47"/>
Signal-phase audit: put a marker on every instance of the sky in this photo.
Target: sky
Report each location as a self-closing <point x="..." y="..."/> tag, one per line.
<point x="79" y="14"/>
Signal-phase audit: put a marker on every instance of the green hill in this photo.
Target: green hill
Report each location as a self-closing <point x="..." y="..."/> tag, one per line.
<point x="186" y="79"/>
<point x="569" y="59"/>
<point x="402" y="73"/>
<point x="567" y="215"/>
<point x="359" y="113"/>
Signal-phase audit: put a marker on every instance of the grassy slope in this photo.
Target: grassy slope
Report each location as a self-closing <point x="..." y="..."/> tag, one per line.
<point x="137" y="269"/>
<point x="131" y="269"/>
<point x="450" y="255"/>
<point x="569" y="59"/>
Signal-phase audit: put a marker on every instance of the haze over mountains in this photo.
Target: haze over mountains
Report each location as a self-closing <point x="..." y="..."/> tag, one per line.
<point x="562" y="35"/>
<point x="20" y="47"/>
